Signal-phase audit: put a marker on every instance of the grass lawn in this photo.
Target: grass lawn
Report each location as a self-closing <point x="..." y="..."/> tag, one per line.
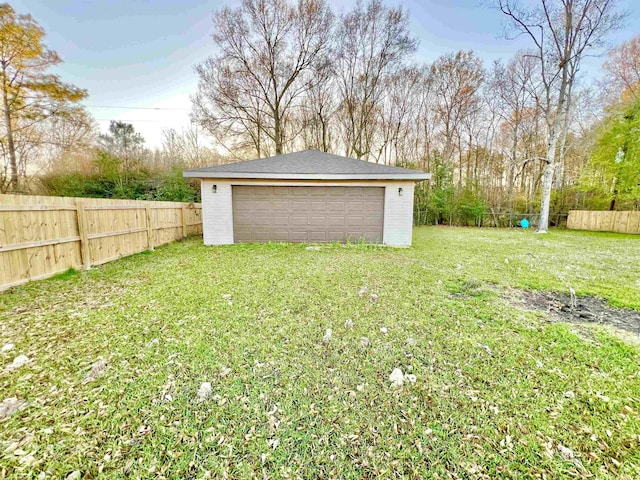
<point x="499" y="391"/>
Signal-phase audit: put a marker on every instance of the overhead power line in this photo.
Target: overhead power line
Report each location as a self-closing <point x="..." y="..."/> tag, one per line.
<point x="139" y="108"/>
<point x="128" y="120"/>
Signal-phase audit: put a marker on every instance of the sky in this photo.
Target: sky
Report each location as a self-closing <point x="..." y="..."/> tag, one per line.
<point x="136" y="57"/>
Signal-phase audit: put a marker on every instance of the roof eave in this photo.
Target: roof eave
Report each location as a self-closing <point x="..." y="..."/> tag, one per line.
<point x="415" y="177"/>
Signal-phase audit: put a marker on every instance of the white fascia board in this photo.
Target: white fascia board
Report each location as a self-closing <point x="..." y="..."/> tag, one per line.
<point x="306" y="176"/>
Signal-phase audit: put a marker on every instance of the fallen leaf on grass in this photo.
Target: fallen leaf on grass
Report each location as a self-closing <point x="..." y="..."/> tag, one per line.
<point x="327" y="336"/>
<point x="486" y="348"/>
<point x="273" y="443"/>
<point x="566" y="452"/>
<point x="204" y="391"/>
<point x="10" y="406"/>
<point x="396" y="378"/>
<point x="19" y="361"/>
<point x="98" y="369"/>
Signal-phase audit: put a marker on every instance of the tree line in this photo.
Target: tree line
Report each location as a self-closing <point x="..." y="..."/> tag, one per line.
<point x="524" y="135"/>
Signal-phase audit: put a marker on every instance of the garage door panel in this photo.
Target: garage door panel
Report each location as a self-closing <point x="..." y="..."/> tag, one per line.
<point x="371" y="194"/>
<point x="263" y="207"/>
<point x="244" y="233"/>
<point x="317" y="191"/>
<point x="279" y="235"/>
<point x="315" y="220"/>
<point x="263" y="237"/>
<point x="297" y="221"/>
<point x="374" y="204"/>
<point x="355" y="236"/>
<point x="373" y="238"/>
<point x="307" y="214"/>
<point x="298" y="206"/>
<point x="297" y="236"/>
<point x="333" y="236"/>
<point x="262" y="221"/>
<point x="318" y="237"/>
<point x="243" y="205"/>
<point x="263" y="195"/>
<point x="355" y="221"/>
<point x="244" y="220"/>
<point x="300" y="191"/>
<point x="372" y="221"/>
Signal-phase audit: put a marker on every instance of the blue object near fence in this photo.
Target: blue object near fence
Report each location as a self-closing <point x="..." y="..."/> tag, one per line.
<point x="524" y="223"/>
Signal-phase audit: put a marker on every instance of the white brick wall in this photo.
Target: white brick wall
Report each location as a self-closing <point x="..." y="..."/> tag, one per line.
<point x="217" y="213"/>
<point x="398" y="214"/>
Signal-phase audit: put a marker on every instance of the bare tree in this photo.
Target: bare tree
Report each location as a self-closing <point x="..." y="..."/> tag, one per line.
<point x="269" y="50"/>
<point x="186" y="150"/>
<point x="398" y="116"/>
<point x="456" y="82"/>
<point x="562" y="32"/>
<point x="318" y="112"/>
<point x="515" y="89"/>
<point x="622" y="70"/>
<point x="374" y="42"/>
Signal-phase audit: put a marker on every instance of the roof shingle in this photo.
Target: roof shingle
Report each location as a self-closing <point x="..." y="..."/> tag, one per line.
<point x="307" y="164"/>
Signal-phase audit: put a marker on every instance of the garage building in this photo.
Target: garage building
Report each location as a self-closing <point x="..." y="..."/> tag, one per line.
<point x="308" y="196"/>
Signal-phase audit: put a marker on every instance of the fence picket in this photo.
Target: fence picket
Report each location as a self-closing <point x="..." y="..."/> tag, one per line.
<point x="42" y="236"/>
<point x="604" y="221"/>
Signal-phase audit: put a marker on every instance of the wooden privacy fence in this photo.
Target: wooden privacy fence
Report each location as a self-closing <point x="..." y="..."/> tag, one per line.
<point x="604" y="221"/>
<point x="41" y="236"/>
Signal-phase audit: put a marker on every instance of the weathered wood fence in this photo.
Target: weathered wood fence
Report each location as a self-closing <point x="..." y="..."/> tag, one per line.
<point x="41" y="236"/>
<point x="604" y="221"/>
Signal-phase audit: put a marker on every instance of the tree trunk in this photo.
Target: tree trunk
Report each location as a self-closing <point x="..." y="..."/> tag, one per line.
<point x="277" y="133"/>
<point x="325" y="142"/>
<point x="10" y="144"/>
<point x="278" y="142"/>
<point x="547" y="180"/>
<point x="612" y="205"/>
<point x="550" y="168"/>
<point x="563" y="143"/>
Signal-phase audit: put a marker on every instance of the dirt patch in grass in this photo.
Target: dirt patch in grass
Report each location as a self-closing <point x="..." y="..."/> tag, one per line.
<point x="586" y="309"/>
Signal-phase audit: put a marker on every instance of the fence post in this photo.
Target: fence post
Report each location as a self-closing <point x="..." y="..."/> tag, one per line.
<point x="85" y="251"/>
<point x="184" y="220"/>
<point x="147" y="210"/>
